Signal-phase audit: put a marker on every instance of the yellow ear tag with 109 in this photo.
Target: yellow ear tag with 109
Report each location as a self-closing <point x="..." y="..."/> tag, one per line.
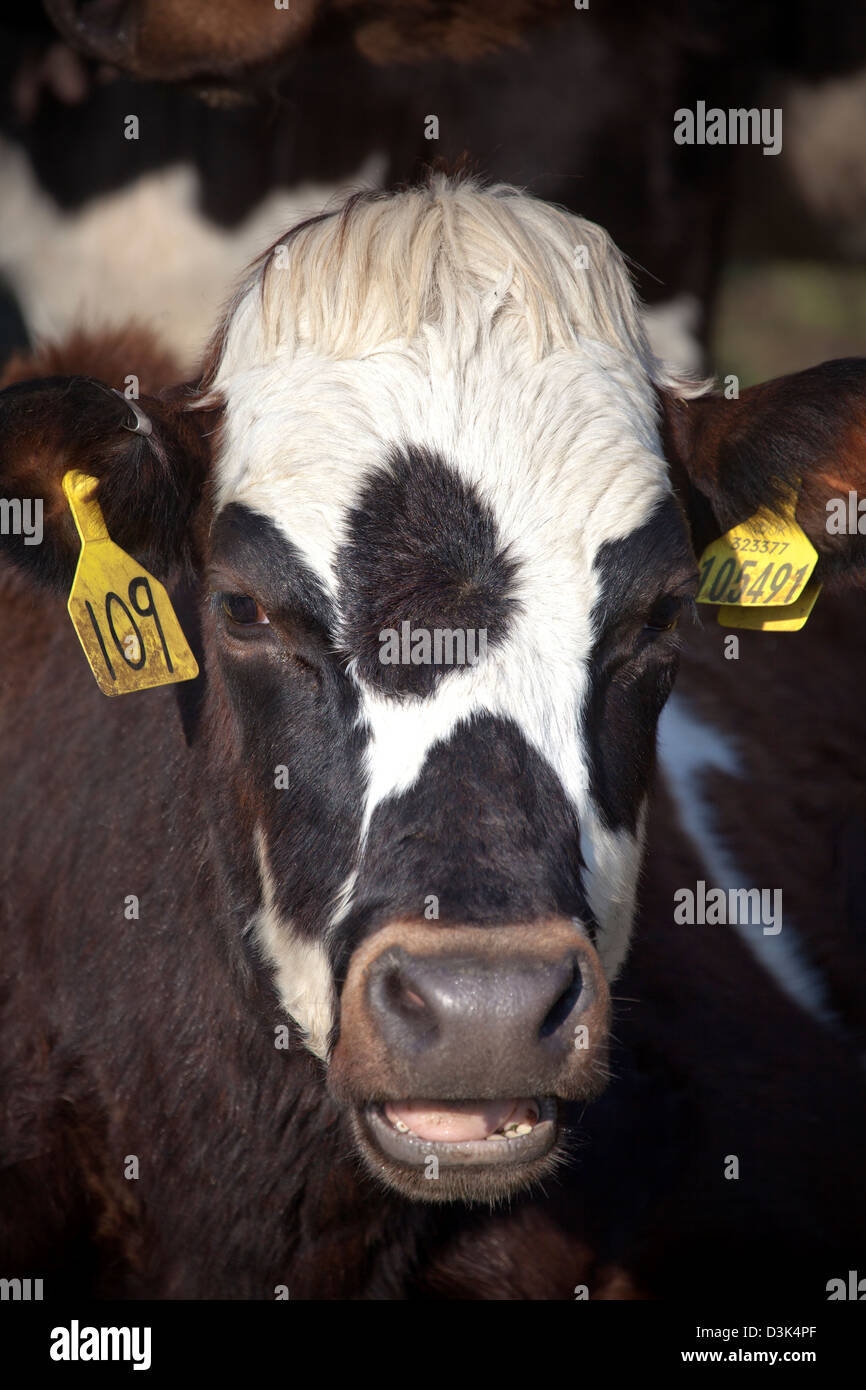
<point x="759" y="572"/>
<point x="123" y="616"/>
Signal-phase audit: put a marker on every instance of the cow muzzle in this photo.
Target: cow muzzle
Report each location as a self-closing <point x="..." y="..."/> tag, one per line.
<point x="456" y="1045"/>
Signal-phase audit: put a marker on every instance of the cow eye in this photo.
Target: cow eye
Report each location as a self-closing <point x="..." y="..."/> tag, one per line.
<point x="243" y="610"/>
<point x="664" y="615"/>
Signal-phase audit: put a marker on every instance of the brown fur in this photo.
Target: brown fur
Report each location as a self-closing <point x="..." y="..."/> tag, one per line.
<point x="108" y="356"/>
<point x="419" y="30"/>
<point x="177" y="40"/>
<point x="791" y="703"/>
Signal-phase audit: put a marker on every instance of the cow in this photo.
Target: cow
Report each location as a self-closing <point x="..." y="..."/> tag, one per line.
<point x="247" y="45"/>
<point x="309" y="961"/>
<point x="158" y="218"/>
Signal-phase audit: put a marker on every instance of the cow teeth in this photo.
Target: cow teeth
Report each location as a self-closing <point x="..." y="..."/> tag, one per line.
<point x="497" y="1135"/>
<point x="523" y="1129"/>
<point x="401" y="1126"/>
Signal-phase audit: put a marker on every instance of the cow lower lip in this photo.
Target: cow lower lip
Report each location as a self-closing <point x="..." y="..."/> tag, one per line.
<point x="408" y="1148"/>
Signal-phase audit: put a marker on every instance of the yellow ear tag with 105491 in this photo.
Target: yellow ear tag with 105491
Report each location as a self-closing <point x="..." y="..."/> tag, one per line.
<point x="123" y="616"/>
<point x="759" y="572"/>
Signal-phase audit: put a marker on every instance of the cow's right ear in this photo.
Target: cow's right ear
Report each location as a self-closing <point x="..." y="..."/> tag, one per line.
<point x="150" y="456"/>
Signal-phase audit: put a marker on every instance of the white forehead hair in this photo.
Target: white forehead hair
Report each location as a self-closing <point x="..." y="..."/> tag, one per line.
<point x="387" y="263"/>
<point x="503" y="335"/>
<point x="498" y="329"/>
<point x="450" y="256"/>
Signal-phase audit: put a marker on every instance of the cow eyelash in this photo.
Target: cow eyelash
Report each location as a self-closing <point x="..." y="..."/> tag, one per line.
<point x="242" y="610"/>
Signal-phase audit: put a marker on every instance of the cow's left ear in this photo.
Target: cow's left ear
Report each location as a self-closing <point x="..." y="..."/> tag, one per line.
<point x="731" y="458"/>
<point x="150" y="455"/>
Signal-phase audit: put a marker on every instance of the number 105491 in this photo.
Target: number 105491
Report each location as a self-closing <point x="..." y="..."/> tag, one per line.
<point x="750" y="582"/>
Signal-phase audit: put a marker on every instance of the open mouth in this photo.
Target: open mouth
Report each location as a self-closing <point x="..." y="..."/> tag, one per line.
<point x="465" y="1133"/>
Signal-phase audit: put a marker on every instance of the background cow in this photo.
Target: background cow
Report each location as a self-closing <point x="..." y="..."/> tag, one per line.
<point x="417" y="411"/>
<point x="100" y="222"/>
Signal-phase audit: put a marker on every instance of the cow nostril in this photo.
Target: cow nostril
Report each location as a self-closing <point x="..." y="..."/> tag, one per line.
<point x="403" y="997"/>
<point x="564" y="1005"/>
<point x="403" y="1010"/>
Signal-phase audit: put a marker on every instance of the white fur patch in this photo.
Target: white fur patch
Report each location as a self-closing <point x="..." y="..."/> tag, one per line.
<point x="688" y="747"/>
<point x="463" y="322"/>
<point x="613" y="860"/>
<point x="144" y="253"/>
<point x="302" y="972"/>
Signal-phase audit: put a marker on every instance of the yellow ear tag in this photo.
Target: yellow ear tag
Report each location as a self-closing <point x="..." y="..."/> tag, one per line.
<point x="759" y="571"/>
<point x="787" y="617"/>
<point x="123" y="616"/>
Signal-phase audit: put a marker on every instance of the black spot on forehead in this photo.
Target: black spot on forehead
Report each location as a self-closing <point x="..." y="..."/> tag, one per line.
<point x="421" y="549"/>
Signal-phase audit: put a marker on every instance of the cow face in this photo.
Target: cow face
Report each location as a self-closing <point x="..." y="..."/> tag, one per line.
<point x="446" y="567"/>
<point x="442" y="561"/>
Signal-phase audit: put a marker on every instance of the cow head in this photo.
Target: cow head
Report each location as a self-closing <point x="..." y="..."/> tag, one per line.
<point x="435" y="413"/>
